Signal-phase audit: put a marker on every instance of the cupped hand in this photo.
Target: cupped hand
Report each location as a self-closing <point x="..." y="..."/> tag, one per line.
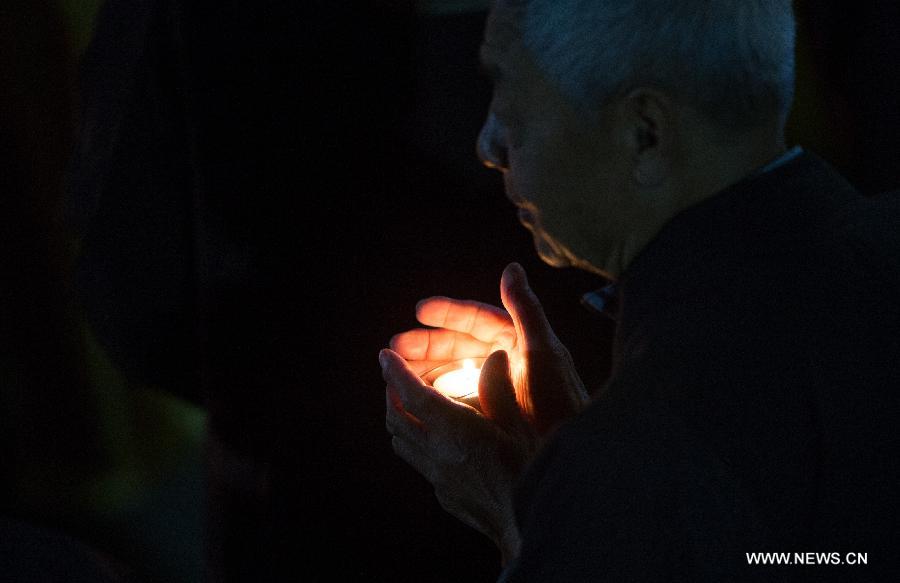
<point x="472" y="459"/>
<point x="548" y="389"/>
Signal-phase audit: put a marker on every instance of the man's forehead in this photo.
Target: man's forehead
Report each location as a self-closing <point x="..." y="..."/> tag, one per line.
<point x="503" y="54"/>
<point x="503" y="26"/>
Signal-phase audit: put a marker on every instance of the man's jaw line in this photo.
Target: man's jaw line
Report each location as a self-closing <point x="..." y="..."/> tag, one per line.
<point x="554" y="253"/>
<point x="548" y="249"/>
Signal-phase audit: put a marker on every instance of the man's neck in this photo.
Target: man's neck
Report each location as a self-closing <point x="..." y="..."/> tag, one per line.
<point x="727" y="159"/>
<point x="711" y="161"/>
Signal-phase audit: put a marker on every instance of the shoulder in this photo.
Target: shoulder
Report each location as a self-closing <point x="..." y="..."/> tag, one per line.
<point x="624" y="492"/>
<point x="870" y="228"/>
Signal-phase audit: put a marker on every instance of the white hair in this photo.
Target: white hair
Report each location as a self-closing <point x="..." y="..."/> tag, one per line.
<point x="733" y="60"/>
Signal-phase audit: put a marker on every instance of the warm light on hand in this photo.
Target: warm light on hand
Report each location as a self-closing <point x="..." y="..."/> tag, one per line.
<point x="548" y="389"/>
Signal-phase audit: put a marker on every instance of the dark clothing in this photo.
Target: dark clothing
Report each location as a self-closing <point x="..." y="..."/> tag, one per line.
<point x="35" y="554"/>
<point x="753" y="405"/>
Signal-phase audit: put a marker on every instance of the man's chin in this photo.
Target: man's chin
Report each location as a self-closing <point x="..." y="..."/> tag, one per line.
<point x="550" y="253"/>
<point x="556" y="255"/>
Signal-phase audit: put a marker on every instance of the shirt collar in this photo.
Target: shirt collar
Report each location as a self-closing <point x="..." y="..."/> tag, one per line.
<point x="781" y="160"/>
<point x="604" y="300"/>
<point x="769" y="208"/>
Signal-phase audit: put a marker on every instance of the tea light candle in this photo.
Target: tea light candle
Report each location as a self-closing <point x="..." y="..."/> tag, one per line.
<point x="459" y="383"/>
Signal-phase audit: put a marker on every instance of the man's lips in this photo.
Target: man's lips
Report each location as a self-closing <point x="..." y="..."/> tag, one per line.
<point x="515" y="198"/>
<point x="526" y="212"/>
<point x="526" y="217"/>
<point x="510" y="191"/>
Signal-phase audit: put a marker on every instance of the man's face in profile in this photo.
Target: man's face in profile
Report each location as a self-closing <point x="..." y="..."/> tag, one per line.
<point x="562" y="172"/>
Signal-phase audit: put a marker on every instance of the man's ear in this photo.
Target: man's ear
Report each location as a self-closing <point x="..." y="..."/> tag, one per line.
<point x="650" y="127"/>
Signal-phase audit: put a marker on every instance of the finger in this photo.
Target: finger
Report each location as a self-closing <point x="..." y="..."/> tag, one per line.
<point x="482" y="321"/>
<point x="399" y="422"/>
<point x="438" y="344"/>
<point x="410" y="452"/>
<point x="420" y="367"/>
<point x="414" y="395"/>
<point x="497" y="394"/>
<point x="525" y="309"/>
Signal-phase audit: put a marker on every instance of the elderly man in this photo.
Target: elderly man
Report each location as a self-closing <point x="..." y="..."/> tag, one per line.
<point x="754" y="395"/>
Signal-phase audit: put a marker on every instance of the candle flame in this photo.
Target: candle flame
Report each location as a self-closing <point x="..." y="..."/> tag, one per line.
<point x="461" y="382"/>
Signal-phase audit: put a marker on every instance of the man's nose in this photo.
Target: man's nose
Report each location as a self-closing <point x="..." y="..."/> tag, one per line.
<point x="492" y="144"/>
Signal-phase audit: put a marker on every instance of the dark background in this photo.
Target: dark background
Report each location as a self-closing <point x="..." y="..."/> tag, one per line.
<point x="263" y="190"/>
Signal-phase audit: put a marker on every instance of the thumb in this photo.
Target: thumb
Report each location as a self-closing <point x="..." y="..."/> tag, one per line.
<point x="525" y="308"/>
<point x="395" y="369"/>
<point x="497" y="394"/>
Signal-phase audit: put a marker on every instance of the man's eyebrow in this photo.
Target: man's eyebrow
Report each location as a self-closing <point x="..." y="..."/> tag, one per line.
<point x="491" y="71"/>
<point x="489" y="68"/>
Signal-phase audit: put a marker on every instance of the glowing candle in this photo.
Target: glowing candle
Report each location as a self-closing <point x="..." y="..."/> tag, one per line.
<point x="459" y="383"/>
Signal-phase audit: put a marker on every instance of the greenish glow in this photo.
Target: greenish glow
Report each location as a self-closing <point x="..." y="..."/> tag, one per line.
<point x="146" y="432"/>
<point x="451" y="6"/>
<point x="80" y="16"/>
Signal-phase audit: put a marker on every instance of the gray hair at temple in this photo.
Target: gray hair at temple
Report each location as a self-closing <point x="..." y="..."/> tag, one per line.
<point x="732" y="60"/>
